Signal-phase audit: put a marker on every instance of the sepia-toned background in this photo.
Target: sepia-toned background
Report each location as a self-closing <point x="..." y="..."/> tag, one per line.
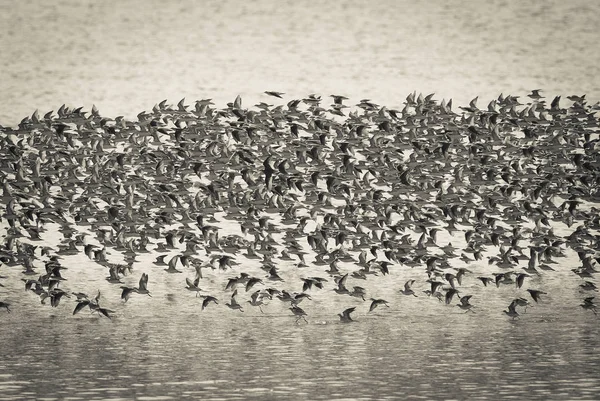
<point x="125" y="56"/>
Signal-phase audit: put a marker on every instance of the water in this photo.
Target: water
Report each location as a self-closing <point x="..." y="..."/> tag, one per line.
<point x="126" y="56"/>
<point x="384" y="357"/>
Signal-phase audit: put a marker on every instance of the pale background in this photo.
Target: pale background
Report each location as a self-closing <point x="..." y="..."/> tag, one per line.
<point x="125" y="56"/>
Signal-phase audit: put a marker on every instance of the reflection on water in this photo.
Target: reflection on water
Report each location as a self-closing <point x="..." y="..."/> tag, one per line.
<point x="253" y="357"/>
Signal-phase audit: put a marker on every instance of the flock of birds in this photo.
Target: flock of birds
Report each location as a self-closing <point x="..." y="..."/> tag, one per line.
<point x="322" y="197"/>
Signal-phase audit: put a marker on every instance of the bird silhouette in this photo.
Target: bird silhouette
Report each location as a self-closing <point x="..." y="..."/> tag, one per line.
<point x="512" y="311"/>
<point x="299" y="313"/>
<point x="345" y="315"/>
<point x="376" y="302"/>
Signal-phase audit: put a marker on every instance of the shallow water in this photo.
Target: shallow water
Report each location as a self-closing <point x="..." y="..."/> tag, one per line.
<point x="125" y="56"/>
<point x="191" y="355"/>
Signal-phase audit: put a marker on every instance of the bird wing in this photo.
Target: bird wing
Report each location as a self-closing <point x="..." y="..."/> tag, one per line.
<point x="104" y="311"/>
<point x="173" y="262"/>
<point x="125" y="293"/>
<point x="342" y="282"/>
<point x="80" y="306"/>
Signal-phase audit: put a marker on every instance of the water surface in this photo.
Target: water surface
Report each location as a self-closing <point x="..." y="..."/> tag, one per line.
<point x="126" y="56"/>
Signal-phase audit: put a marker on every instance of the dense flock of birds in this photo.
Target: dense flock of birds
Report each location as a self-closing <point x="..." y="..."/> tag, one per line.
<point x="347" y="193"/>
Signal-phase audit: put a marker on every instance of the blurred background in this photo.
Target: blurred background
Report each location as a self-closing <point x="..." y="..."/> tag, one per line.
<point x="125" y="56"/>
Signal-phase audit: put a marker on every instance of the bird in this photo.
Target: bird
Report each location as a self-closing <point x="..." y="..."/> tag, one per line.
<point x="588" y="286"/>
<point x="143" y="285"/>
<point x="345" y="315"/>
<point x="486" y="280"/>
<point x="255" y="301"/>
<point x="80" y="305"/>
<point x="140" y="289"/>
<point x="408" y="290"/>
<point x="512" y="311"/>
<point x="113" y="277"/>
<point x="252" y="281"/>
<point x="450" y="292"/>
<point x="433" y="291"/>
<point x="233" y="304"/>
<point x="105" y="312"/>
<point x="535" y="94"/>
<point x="465" y="304"/>
<point x="193" y="285"/>
<point x="535" y="294"/>
<point x="588" y="304"/>
<point x="299" y="313"/>
<point x="274" y="94"/>
<point x="126" y="293"/>
<point x="376" y="302"/>
<point x="522" y="302"/>
<point x="338" y="99"/>
<point x="341" y="284"/>
<point x="207" y="300"/>
<point x="55" y="296"/>
<point x="312" y="281"/>
<point x="172" y="265"/>
<point x="358" y="292"/>
<point x="521" y="279"/>
<point x="364" y="186"/>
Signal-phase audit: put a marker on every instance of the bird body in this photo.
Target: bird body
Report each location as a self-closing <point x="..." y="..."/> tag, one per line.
<point x="207" y="300"/>
<point x="299" y="313"/>
<point x="512" y="311"/>
<point x="376" y="302"/>
<point x="233" y="304"/>
<point x="465" y="304"/>
<point x="256" y="301"/>
<point x="588" y="304"/>
<point x="193" y="285"/>
<point x="407" y="290"/>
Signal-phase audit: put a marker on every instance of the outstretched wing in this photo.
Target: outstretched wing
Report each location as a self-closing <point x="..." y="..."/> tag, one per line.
<point x="173" y="262"/>
<point x="80" y="306"/>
